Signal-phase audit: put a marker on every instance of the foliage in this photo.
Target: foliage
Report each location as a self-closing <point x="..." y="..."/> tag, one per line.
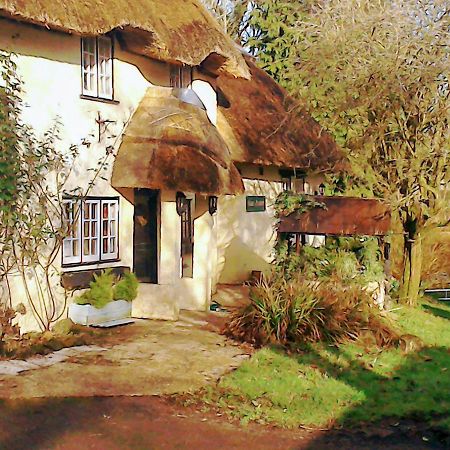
<point x="232" y="15"/>
<point x="42" y="343"/>
<point x="100" y="291"/>
<point x="300" y="310"/>
<point x="323" y="386"/>
<point x="9" y="330"/>
<point x="126" y="288"/>
<point x="8" y="158"/>
<point x="288" y="202"/>
<point x="436" y="270"/>
<point x="376" y="75"/>
<point x="350" y="259"/>
<point x="105" y="288"/>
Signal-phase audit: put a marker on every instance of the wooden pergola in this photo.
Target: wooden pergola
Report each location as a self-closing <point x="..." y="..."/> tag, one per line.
<point x="342" y="216"/>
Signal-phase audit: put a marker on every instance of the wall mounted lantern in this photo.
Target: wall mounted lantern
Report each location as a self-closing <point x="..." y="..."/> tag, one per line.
<point x="212" y="204"/>
<point x="182" y="203"/>
<point x="322" y="189"/>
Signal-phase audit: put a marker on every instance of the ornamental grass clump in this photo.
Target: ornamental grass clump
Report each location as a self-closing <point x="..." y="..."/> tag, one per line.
<point x="100" y="291"/>
<point x="301" y="310"/>
<point x="126" y="288"/>
<point x="107" y="288"/>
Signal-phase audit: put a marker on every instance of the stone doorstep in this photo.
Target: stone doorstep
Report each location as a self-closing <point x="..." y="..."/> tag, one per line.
<point x="15" y="366"/>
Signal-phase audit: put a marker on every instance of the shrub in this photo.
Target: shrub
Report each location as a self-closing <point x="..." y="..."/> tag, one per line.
<point x="126" y="288"/>
<point x="347" y="258"/>
<point x="101" y="291"/>
<point x="300" y="310"/>
<point x="9" y="331"/>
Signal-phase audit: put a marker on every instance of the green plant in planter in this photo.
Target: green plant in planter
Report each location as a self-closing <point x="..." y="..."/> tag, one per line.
<point x="101" y="291"/>
<point x="126" y="288"/>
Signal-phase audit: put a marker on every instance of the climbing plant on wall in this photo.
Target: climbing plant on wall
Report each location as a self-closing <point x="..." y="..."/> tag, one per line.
<point x="37" y="174"/>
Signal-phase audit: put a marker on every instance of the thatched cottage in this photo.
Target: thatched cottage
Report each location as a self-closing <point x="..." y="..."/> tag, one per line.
<point x="201" y="142"/>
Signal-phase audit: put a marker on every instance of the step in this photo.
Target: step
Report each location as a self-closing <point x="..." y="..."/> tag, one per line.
<point x="112" y="323"/>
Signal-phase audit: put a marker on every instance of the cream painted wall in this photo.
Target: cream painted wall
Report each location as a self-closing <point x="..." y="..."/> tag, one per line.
<point x="245" y="240"/>
<point x="49" y="64"/>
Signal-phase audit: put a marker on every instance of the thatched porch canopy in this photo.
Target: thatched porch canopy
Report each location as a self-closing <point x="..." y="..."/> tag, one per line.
<point x="343" y="216"/>
<point x="172" y="145"/>
<point x="264" y="125"/>
<point x="170" y="30"/>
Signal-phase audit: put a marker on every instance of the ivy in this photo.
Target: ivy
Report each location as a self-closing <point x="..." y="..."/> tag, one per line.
<point x="289" y="202"/>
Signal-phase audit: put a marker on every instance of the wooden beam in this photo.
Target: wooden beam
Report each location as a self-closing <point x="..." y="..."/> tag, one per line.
<point x="343" y="216"/>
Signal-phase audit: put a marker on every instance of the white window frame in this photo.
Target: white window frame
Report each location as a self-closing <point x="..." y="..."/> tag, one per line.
<point x="88" y="228"/>
<point x="73" y="223"/>
<point x="112" y="228"/>
<point x="93" y="231"/>
<point x="98" y="52"/>
<point x="105" y="67"/>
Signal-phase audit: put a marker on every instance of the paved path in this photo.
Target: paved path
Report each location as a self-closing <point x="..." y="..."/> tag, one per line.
<point x="145" y="358"/>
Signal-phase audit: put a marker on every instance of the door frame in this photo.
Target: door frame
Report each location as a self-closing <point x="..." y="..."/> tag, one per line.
<point x="157" y="197"/>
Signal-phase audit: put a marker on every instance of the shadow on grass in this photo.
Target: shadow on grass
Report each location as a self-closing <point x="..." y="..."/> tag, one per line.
<point x="445" y="314"/>
<point x="403" y="402"/>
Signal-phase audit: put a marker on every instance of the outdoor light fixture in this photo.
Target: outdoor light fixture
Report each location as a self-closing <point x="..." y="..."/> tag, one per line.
<point x="212" y="204"/>
<point x="322" y="189"/>
<point x="181" y="203"/>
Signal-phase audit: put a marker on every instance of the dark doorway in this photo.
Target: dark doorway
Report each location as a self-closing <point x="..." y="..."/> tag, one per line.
<point x="145" y="251"/>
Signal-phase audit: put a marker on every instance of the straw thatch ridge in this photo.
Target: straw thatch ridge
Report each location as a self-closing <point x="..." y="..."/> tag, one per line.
<point x="170" y="30"/>
<point x="172" y="145"/>
<point x="263" y="125"/>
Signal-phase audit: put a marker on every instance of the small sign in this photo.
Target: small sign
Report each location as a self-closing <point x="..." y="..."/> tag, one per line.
<point x="255" y="203"/>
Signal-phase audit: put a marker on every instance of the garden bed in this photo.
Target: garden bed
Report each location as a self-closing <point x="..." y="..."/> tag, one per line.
<point x="31" y="344"/>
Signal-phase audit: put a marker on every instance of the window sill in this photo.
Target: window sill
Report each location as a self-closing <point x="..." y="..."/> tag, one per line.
<point x="90" y="263"/>
<point x="99" y="99"/>
<point x="81" y="279"/>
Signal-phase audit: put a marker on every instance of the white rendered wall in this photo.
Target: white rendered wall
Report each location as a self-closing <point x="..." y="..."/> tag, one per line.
<point x="245" y="240"/>
<point x="49" y="64"/>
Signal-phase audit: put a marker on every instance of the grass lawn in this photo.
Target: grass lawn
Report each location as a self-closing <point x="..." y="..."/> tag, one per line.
<point x="326" y="386"/>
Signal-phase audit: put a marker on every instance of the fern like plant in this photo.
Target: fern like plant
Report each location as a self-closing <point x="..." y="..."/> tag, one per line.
<point x="126" y="288"/>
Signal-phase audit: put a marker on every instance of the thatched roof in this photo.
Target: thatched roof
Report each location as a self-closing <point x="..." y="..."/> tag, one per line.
<point x="170" y="30"/>
<point x="263" y="125"/>
<point x="172" y="145"/>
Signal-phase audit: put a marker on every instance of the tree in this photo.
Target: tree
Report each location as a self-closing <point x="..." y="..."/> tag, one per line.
<point x="375" y="74"/>
<point x="232" y="15"/>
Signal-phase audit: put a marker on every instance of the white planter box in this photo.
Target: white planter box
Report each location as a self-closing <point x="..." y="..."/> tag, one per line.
<point x="88" y="315"/>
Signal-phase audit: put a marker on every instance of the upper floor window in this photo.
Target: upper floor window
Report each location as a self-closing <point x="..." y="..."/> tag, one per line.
<point x="92" y="230"/>
<point x="293" y="180"/>
<point x="180" y="76"/>
<point x="97" y="67"/>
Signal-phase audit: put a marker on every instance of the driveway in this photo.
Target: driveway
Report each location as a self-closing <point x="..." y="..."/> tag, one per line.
<point x="141" y="423"/>
<point x="148" y="357"/>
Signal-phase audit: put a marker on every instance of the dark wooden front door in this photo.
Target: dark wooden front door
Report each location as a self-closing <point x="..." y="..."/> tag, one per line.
<point x="146" y="235"/>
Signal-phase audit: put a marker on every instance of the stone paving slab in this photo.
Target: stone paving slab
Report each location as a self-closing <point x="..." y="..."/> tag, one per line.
<point x="16" y="366"/>
<point x="148" y="357"/>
